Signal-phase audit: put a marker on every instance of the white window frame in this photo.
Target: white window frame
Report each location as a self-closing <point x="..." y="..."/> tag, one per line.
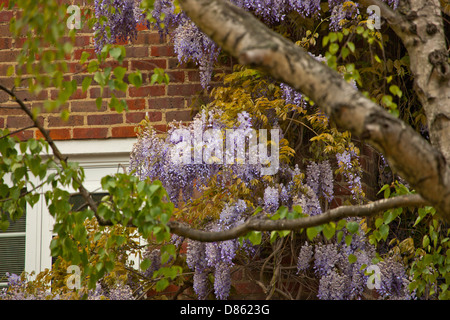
<point x="98" y="158"/>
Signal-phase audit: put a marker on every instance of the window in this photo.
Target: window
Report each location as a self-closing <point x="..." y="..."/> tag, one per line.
<point x="12" y="248"/>
<point x="25" y="246"/>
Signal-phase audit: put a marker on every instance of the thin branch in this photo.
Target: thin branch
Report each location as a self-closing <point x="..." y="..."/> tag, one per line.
<point x="17" y="131"/>
<point x="258" y="224"/>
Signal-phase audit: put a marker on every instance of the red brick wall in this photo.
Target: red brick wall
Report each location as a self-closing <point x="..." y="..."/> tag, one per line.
<point x="160" y="103"/>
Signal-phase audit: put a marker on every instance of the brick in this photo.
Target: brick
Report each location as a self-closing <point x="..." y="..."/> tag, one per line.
<point x="39" y="106"/>
<point x="75" y="67"/>
<point x="176" y="76"/>
<point x="148" y="64"/>
<point x="95" y="93"/>
<point x="18" y="41"/>
<point x="18" y="122"/>
<point x="90" y="133"/>
<point x="147" y="38"/>
<point x="6" y="16"/>
<point x="80" y="41"/>
<point x="4" y="96"/>
<point x="12" y="110"/>
<point x="153" y="90"/>
<point x="337" y="202"/>
<point x="5" y="43"/>
<point x="56" y="134"/>
<point x="78" y="94"/>
<point x="73" y="121"/>
<point x="162" y="51"/>
<point x="8" y="55"/>
<point x="24" y="135"/>
<point x="160" y="128"/>
<point x="136" y="104"/>
<point x="123" y="132"/>
<point x="175" y="64"/>
<point x="154" y="116"/>
<point x="341" y="191"/>
<point x="2" y="122"/>
<point x="86" y="106"/>
<point x="4" y="30"/>
<point x="136" y="117"/>
<point x="141" y="27"/>
<point x="183" y="89"/>
<point x="83" y="41"/>
<point x="194" y="76"/>
<point x="184" y="115"/>
<point x="113" y="63"/>
<point x="247" y="287"/>
<point x="104" y="119"/>
<point x="166" y="103"/>
<point x="136" y="52"/>
<point x="78" y="52"/>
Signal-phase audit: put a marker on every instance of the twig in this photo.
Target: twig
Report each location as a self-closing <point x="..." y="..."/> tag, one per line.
<point x="17" y="131"/>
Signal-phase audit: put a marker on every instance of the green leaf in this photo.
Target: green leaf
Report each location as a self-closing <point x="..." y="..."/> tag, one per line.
<point x="378" y="222"/>
<point x="84" y="56"/>
<point x="334" y="47"/>
<point x="333" y="36"/>
<point x="351" y="46"/>
<point x="86" y="83"/>
<point x="384" y="231"/>
<point x="119" y="72"/>
<point x="345" y="52"/>
<point x="389" y="216"/>
<point x="4" y="224"/>
<point x="135" y="79"/>
<point x="283" y="233"/>
<point x="255" y="237"/>
<point x="329" y="230"/>
<point x="145" y="264"/>
<point x="352" y="226"/>
<point x="352" y="258"/>
<point x="325" y="41"/>
<point x="98" y="102"/>
<point x="161" y="285"/>
<point x="312" y="233"/>
<point x="348" y="239"/>
<point x="273" y="236"/>
<point x="100" y="78"/>
<point x="395" y="90"/>
<point x="92" y="66"/>
<point x="117" y="53"/>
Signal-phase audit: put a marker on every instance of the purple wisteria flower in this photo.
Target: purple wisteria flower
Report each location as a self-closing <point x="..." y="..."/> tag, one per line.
<point x="116" y="21"/>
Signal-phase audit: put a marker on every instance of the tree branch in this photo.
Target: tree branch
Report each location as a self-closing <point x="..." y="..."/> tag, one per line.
<point x="420" y="27"/>
<point x="252" y="43"/>
<point x="258" y="224"/>
<point x="17" y="131"/>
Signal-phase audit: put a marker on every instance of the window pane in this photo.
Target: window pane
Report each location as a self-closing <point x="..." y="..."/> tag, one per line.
<point x="12" y="255"/>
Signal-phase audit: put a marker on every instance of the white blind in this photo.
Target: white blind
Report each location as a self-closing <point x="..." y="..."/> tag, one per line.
<point x="12" y="248"/>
